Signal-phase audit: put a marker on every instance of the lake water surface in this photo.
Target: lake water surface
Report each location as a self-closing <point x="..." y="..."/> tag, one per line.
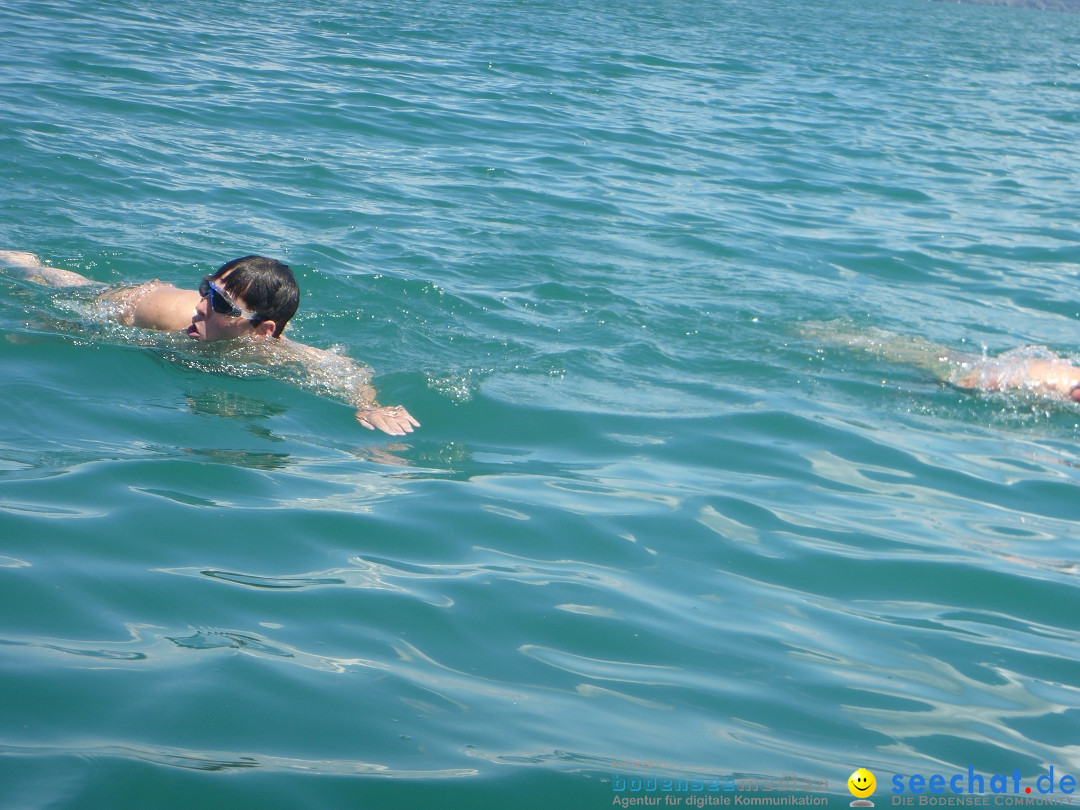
<point x="652" y="525"/>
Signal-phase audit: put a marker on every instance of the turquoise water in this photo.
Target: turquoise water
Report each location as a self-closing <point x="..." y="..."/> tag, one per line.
<point x="650" y="525"/>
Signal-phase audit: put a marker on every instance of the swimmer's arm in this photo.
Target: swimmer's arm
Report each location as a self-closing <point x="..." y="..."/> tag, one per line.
<point x="1057" y="378"/>
<point x="149" y="306"/>
<point x="29" y="266"/>
<point x="19" y="259"/>
<point x="339" y="375"/>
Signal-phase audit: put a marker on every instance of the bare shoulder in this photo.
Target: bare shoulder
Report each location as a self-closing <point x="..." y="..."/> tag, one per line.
<point x="165" y="307"/>
<point x="154" y="305"/>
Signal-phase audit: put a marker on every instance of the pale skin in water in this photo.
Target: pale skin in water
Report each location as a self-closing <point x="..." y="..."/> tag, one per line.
<point x="1032" y="369"/>
<point x="1050" y="377"/>
<point x="166" y="308"/>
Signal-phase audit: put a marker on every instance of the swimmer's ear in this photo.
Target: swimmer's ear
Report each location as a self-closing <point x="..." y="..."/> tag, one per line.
<point x="264" y="329"/>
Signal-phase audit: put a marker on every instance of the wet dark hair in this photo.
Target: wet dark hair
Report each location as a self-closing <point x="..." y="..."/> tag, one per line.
<point x="267" y="286"/>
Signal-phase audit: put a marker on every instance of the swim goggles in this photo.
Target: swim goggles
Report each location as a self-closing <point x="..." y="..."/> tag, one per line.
<point x="220" y="303"/>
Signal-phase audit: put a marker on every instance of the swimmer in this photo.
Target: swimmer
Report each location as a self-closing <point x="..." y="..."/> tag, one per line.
<point x="1034" y="369"/>
<point x="248" y="299"/>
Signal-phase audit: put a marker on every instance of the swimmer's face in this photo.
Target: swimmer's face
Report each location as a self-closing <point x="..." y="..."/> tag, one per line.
<point x="207" y="324"/>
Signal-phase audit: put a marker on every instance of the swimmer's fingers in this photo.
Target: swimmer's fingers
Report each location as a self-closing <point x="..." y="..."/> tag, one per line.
<point x="405" y="419"/>
<point x="394" y="420"/>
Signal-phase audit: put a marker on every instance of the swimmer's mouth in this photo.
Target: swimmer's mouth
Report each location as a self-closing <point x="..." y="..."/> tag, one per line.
<point x="192" y="331"/>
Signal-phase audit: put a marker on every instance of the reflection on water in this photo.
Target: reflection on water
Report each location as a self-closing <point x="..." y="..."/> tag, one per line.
<point x="243" y="458"/>
<point x="227" y="761"/>
<point x="232" y="404"/>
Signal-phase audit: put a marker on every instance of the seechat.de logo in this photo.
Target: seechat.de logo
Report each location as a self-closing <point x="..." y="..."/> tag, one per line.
<point x="862" y="785"/>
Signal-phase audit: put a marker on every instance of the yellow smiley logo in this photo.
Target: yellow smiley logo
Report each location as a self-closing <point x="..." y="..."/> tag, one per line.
<point x="862" y="783"/>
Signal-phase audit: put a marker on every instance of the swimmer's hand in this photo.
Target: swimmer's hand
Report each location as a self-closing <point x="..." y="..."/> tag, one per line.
<point x="393" y="420"/>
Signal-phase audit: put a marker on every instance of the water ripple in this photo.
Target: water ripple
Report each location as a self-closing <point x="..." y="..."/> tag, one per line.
<point x="229" y="761"/>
